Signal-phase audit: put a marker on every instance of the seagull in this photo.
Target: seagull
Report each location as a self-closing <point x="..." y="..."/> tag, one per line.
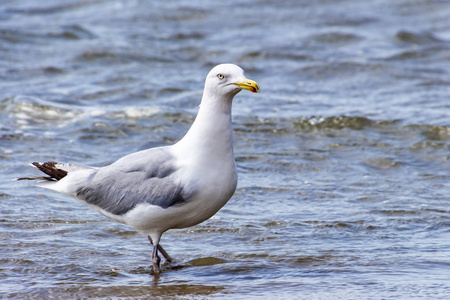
<point x="162" y="188"/>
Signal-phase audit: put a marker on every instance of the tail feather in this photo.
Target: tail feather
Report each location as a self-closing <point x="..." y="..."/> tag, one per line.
<point x="36" y="178"/>
<point x="50" y="168"/>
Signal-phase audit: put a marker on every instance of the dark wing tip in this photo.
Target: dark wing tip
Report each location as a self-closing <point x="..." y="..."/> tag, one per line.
<point x="35" y="178"/>
<point x="51" y="170"/>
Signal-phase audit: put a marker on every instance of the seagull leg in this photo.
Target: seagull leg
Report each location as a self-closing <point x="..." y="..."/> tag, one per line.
<point x="156" y="260"/>
<point x="161" y="249"/>
<point x="164" y="253"/>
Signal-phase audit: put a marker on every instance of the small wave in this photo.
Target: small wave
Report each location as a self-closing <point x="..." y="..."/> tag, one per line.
<point x="25" y="111"/>
<point x="339" y="122"/>
<point x="341" y="70"/>
<point x="289" y="125"/>
<point x="319" y="123"/>
<point x="335" y="38"/>
<point x="434" y="52"/>
<point x="108" y="56"/>
<point x="432" y="132"/>
<point x="33" y="112"/>
<point x="44" y="9"/>
<point x="417" y="38"/>
<point x="75" y="32"/>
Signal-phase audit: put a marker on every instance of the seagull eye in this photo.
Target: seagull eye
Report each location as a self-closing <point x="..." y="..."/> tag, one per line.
<point x="220" y="76"/>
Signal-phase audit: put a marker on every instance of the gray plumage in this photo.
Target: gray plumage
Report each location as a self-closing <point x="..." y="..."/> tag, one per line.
<point x="142" y="177"/>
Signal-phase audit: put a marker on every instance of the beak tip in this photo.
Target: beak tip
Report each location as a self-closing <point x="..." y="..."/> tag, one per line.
<point x="250" y="85"/>
<point x="255" y="88"/>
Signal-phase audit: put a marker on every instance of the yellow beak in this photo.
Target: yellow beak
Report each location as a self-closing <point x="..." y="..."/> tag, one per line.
<point x="248" y="84"/>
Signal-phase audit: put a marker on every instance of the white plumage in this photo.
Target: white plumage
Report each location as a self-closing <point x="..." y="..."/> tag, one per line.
<point x="168" y="187"/>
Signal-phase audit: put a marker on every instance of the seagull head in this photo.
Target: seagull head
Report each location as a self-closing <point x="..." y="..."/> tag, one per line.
<point x="228" y="80"/>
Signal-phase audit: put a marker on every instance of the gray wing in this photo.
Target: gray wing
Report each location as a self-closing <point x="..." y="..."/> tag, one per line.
<point x="141" y="177"/>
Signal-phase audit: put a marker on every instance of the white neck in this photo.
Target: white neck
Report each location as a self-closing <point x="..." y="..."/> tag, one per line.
<point x="211" y="135"/>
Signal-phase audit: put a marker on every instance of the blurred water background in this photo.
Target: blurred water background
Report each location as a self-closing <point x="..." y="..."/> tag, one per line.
<point x="343" y="158"/>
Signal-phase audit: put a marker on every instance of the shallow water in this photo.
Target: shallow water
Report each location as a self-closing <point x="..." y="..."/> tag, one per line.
<point x="343" y="158"/>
